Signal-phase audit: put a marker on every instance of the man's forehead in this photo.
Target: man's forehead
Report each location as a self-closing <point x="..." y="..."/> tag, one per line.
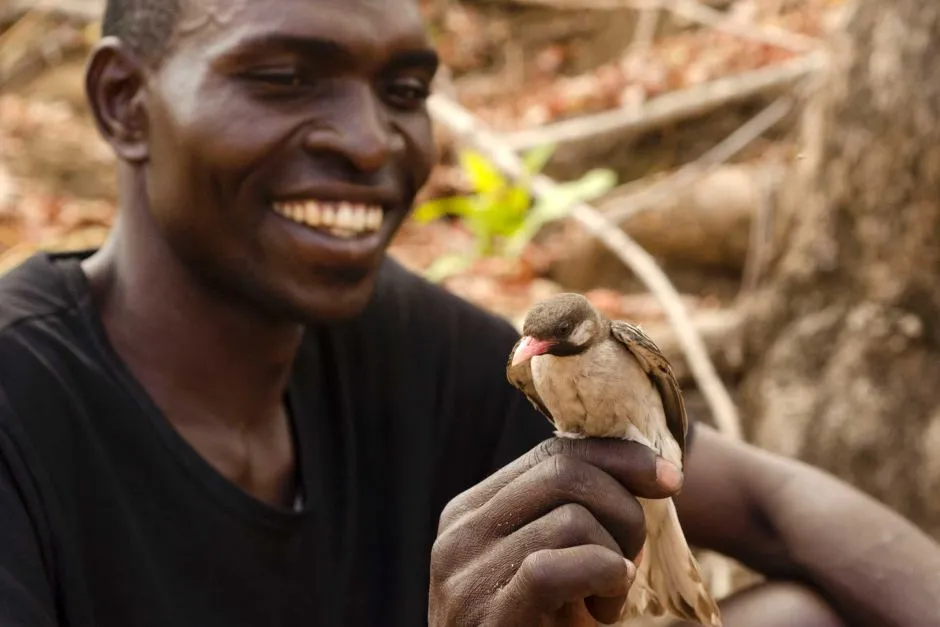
<point x="198" y="14"/>
<point x="238" y="19"/>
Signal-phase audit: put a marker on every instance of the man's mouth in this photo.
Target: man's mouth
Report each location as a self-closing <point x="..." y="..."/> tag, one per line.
<point x="344" y="220"/>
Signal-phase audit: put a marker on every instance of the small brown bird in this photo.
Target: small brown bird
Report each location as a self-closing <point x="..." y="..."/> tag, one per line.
<point x="594" y="377"/>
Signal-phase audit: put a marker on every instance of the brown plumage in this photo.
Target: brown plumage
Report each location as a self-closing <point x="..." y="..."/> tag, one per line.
<point x="591" y="376"/>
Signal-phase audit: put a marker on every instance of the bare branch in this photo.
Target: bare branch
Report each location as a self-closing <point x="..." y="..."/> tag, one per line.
<point x="466" y="126"/>
<point x="668" y="108"/>
<point x="761" y="33"/>
<point x="629" y="206"/>
<point x="700" y="13"/>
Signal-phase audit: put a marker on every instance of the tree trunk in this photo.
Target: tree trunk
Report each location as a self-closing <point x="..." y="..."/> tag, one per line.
<point x="843" y="341"/>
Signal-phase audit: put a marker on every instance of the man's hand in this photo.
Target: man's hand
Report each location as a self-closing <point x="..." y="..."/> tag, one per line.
<point x="556" y="527"/>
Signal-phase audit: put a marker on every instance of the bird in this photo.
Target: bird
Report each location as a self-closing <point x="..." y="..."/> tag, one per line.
<point x="595" y="377"/>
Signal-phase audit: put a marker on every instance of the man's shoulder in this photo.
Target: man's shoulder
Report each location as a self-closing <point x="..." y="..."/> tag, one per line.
<point x="426" y="307"/>
<point x="34" y="289"/>
<point x="40" y="338"/>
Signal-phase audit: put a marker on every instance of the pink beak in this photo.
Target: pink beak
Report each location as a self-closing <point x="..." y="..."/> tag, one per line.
<point x="529" y="347"/>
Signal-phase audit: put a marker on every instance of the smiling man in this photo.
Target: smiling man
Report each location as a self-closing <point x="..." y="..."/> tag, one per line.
<point x="239" y="412"/>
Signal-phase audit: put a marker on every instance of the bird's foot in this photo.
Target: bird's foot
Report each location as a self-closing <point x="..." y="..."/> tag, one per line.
<point x="573" y="435"/>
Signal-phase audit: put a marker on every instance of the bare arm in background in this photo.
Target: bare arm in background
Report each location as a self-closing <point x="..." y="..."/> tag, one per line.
<point x="793" y="522"/>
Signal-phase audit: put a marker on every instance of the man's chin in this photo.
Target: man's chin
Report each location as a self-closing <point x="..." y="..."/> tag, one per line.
<point x="330" y="303"/>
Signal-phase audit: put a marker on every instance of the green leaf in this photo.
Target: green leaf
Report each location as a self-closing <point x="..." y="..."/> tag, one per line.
<point x="536" y="158"/>
<point x="590" y="186"/>
<point x="549" y="209"/>
<point x="504" y="214"/>
<point x="483" y="175"/>
<point x="518" y="199"/>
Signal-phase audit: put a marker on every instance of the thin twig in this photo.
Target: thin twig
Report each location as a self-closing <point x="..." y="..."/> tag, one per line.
<point x="629" y="206"/>
<point x="645" y="32"/>
<point x="84" y="10"/>
<point x="701" y="14"/>
<point x="761" y="33"/>
<point x="27" y="21"/>
<point x="668" y="108"/>
<point x="466" y="126"/>
<point x="761" y="231"/>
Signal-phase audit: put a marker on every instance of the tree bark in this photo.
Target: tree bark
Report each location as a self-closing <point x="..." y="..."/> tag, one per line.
<point x="843" y="337"/>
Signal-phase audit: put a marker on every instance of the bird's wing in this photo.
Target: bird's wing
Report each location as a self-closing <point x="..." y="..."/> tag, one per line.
<point x="660" y="372"/>
<point x="521" y="377"/>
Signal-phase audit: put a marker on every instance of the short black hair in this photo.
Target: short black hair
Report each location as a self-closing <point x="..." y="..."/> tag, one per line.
<point x="145" y="26"/>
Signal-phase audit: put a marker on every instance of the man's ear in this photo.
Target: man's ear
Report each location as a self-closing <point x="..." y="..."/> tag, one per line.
<point x="115" y="82"/>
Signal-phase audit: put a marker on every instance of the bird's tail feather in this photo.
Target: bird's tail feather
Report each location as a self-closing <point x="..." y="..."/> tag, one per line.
<point x="668" y="578"/>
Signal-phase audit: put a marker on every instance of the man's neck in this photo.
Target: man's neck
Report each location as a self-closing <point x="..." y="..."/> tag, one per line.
<point x="202" y="358"/>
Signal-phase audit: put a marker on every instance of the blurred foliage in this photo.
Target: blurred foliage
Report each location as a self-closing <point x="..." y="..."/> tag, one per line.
<point x="502" y="214"/>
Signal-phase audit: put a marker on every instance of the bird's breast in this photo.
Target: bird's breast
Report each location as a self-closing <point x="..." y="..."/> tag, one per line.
<point x="600" y="392"/>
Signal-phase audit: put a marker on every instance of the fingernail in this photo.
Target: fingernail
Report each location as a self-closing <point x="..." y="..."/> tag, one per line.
<point x="668" y="475"/>
<point x="631" y="570"/>
<point x="639" y="557"/>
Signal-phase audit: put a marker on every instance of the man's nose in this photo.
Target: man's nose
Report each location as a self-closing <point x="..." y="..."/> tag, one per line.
<point x="359" y="130"/>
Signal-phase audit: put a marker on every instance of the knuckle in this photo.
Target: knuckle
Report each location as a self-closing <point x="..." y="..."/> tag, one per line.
<point x="559" y="446"/>
<point x="568" y="476"/>
<point x="446" y="603"/>
<point x="544" y="450"/>
<point x="451" y="591"/>
<point x="575" y="515"/>
<point x="449" y="515"/>
<point x="440" y="555"/>
<point x="572" y="524"/>
<point x="535" y="573"/>
<point x="453" y="511"/>
<point x="447" y="549"/>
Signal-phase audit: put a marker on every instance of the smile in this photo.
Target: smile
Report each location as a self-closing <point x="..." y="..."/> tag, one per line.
<point x="344" y="220"/>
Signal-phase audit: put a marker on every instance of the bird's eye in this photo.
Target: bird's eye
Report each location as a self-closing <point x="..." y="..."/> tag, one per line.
<point x="565" y="328"/>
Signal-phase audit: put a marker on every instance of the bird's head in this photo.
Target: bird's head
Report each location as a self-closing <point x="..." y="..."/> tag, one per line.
<point x="565" y="324"/>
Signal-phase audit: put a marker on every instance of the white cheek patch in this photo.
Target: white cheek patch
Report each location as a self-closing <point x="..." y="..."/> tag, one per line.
<point x="582" y="333"/>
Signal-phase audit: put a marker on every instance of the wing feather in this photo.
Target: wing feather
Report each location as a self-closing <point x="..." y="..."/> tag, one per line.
<point x="660" y="372"/>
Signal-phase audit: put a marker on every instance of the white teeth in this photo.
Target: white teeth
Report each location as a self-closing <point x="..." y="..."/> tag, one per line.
<point x="374" y="220"/>
<point x="344" y="216"/>
<point x="343" y="233"/>
<point x="327" y="214"/>
<point x="342" y="219"/>
<point x="312" y="215"/>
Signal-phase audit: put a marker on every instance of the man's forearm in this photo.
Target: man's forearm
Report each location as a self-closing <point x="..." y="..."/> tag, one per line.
<point x="788" y="520"/>
<point x="875" y="566"/>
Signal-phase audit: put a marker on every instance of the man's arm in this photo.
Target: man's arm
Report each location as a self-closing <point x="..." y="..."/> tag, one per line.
<point x="788" y="520"/>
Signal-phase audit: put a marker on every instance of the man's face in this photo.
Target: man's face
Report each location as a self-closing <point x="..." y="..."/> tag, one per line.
<point x="288" y="139"/>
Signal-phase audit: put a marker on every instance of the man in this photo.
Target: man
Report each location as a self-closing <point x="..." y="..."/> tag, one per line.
<point x="239" y="412"/>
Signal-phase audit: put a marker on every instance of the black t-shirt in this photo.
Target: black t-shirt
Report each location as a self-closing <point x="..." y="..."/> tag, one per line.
<point x="108" y="518"/>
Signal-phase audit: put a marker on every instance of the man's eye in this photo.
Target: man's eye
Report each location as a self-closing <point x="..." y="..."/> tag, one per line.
<point x="279" y="78"/>
<point x="409" y="92"/>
